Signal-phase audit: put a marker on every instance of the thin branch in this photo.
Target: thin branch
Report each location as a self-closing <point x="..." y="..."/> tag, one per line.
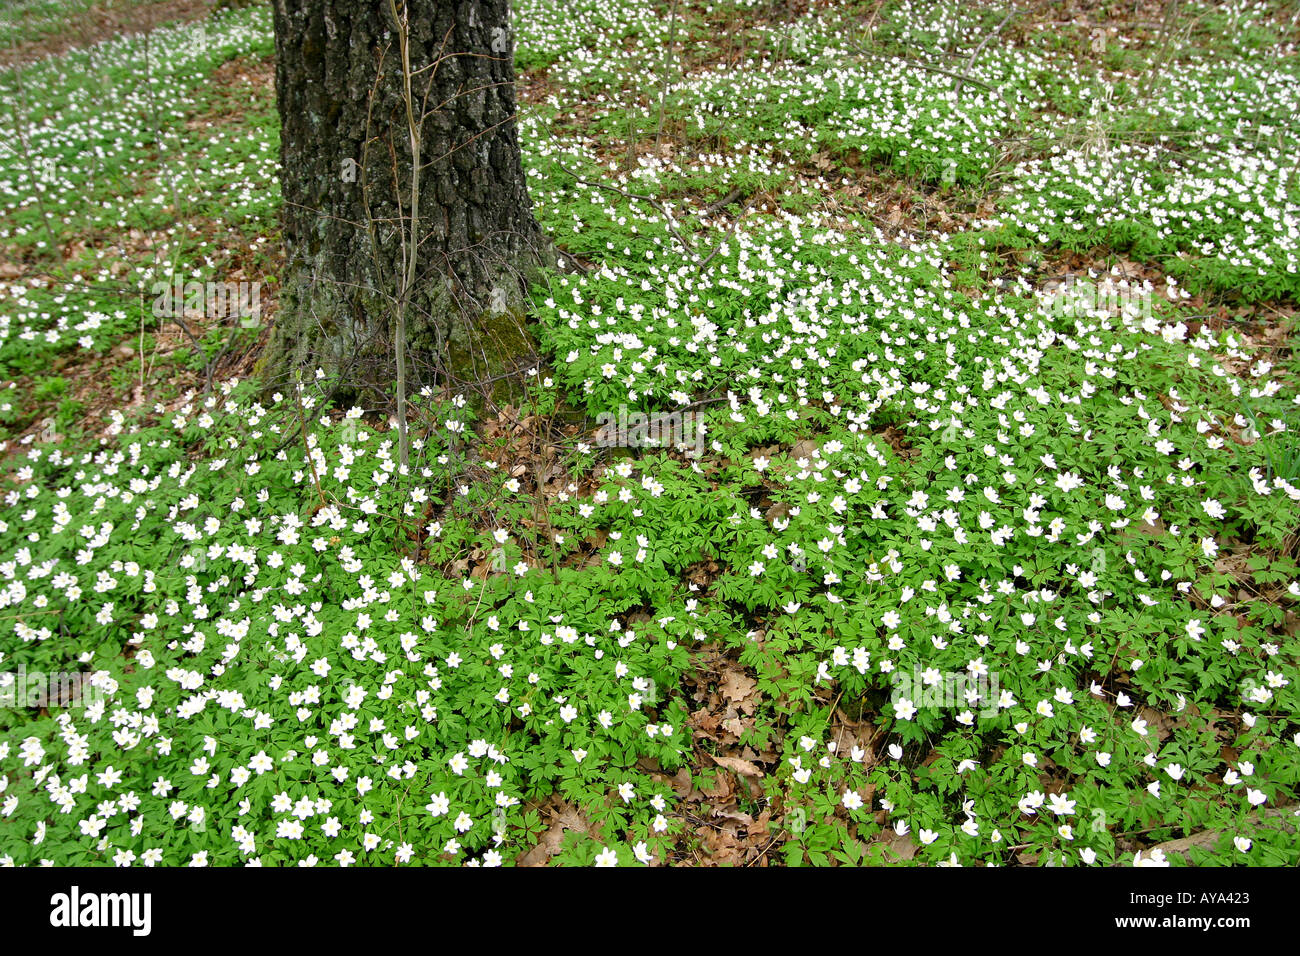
<point x="623" y="192"/>
<point x="983" y="43"/>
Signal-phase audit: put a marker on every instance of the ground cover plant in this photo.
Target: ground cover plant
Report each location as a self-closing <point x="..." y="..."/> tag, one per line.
<point x="970" y="536"/>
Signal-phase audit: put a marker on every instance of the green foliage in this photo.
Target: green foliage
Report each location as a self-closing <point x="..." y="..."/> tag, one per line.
<point x="1011" y="569"/>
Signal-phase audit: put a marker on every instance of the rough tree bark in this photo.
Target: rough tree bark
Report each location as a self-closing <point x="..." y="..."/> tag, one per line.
<point x="346" y="157"/>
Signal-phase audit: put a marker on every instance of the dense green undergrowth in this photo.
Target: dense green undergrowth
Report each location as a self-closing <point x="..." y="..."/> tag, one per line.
<point x="1007" y="568"/>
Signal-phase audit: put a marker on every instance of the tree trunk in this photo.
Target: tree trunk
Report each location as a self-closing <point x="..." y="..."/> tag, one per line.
<point x="346" y="173"/>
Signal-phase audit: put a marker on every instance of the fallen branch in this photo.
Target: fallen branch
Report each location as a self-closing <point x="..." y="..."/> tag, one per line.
<point x="1184" y="845"/>
<point x="636" y="196"/>
<point x="935" y="69"/>
<point x="983" y="43"/>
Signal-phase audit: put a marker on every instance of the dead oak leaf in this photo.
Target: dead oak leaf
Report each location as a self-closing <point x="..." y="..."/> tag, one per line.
<point x="746" y="768"/>
<point x="737" y="686"/>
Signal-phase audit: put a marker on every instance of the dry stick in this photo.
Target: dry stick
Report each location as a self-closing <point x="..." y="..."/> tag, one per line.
<point x="46" y="216"/>
<point x="1166" y="30"/>
<point x="983" y="43"/>
<point x="409" y="246"/>
<point x="1206" y="838"/>
<point x="306" y="447"/>
<point x="365" y="166"/>
<point x="623" y="192"/>
<point x="663" y="85"/>
<point x="153" y="355"/>
<point x="870" y="28"/>
<point x="631" y="131"/>
<point x="454" y="56"/>
<point x="178" y="309"/>
<point x="722" y="203"/>
<point x="934" y="69"/>
<point x="730" y="230"/>
<point x="456" y="149"/>
<point x="408" y="279"/>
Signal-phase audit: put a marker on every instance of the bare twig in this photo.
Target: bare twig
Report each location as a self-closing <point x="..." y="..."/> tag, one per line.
<point x="664" y="82"/>
<point x="411" y="248"/>
<point x="623" y="192"/>
<point x="983" y="43"/>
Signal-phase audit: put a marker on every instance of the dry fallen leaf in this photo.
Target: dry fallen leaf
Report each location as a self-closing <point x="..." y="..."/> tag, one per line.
<point x="565" y="817"/>
<point x="744" y="767"/>
<point x="805" y="448"/>
<point x="736" y="686"/>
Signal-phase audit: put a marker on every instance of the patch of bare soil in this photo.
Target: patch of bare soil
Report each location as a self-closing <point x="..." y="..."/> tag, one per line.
<point x="236" y="82"/>
<point x="105" y="21"/>
<point x="125" y="377"/>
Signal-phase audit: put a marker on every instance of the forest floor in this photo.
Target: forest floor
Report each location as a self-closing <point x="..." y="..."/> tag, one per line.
<point x="907" y="472"/>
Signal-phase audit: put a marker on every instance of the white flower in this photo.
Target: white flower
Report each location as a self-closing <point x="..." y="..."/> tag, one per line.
<point x="607" y="857"/>
<point x="1061" y="804"/>
<point x="1156" y="858"/>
